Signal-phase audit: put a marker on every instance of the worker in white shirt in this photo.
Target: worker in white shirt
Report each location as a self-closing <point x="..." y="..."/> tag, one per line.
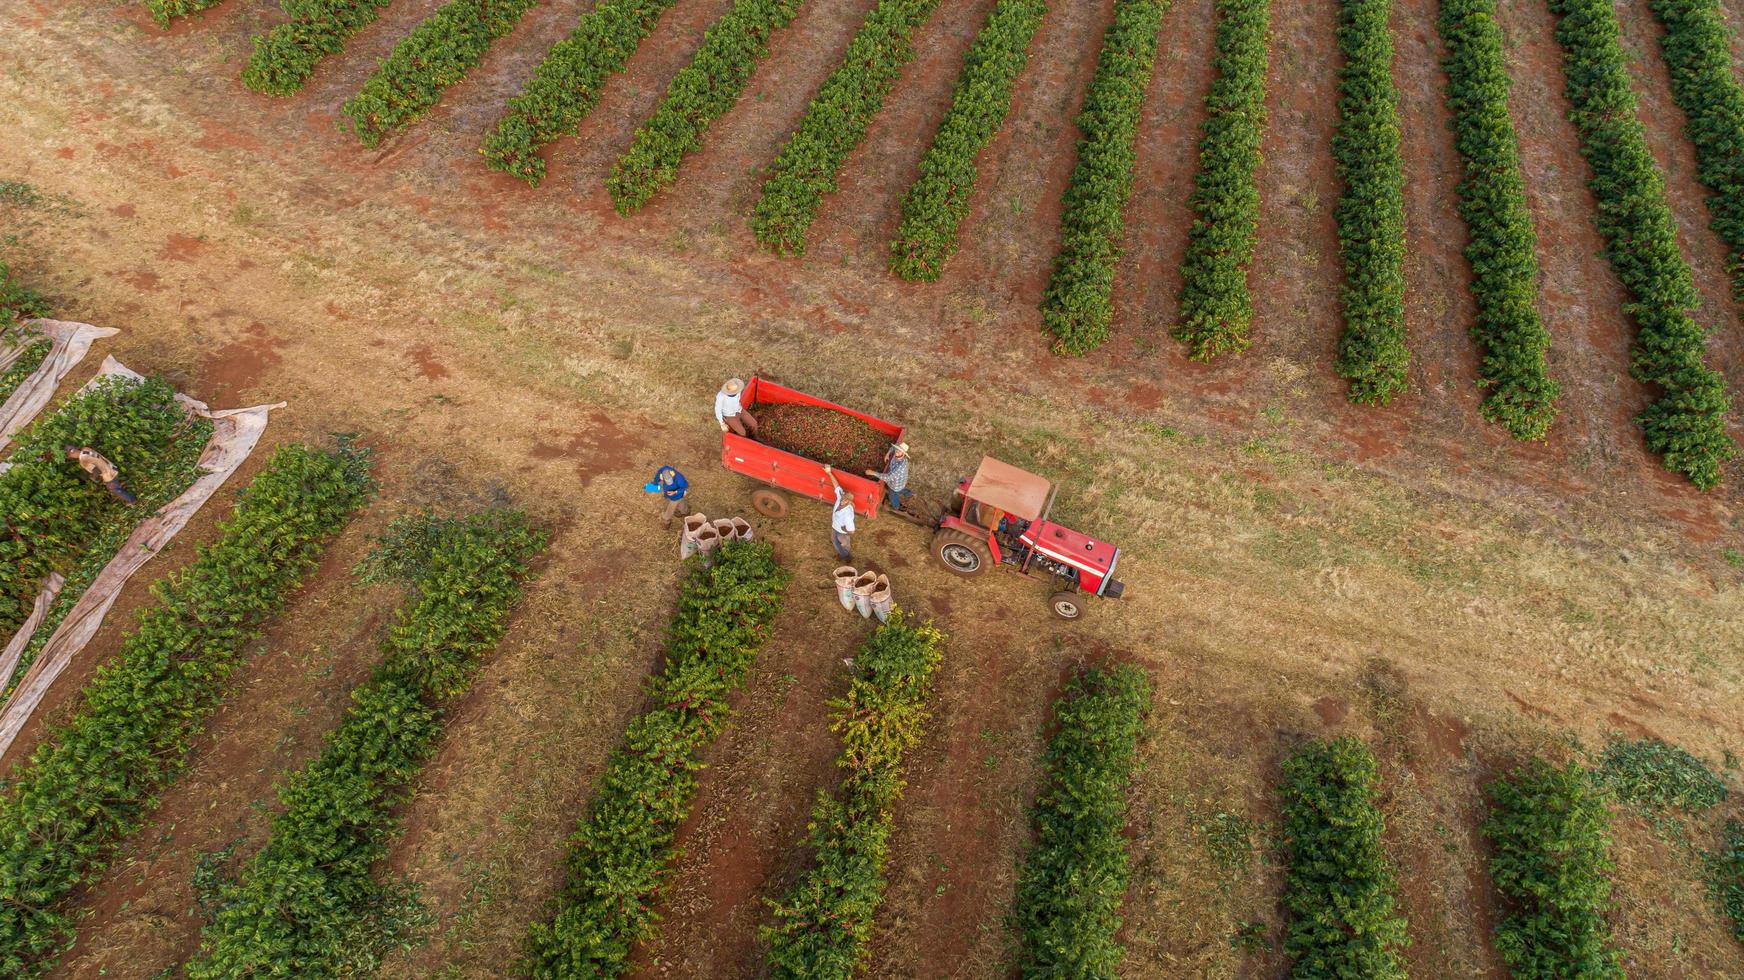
<point x="841" y="518"/>
<point x="732" y="415"/>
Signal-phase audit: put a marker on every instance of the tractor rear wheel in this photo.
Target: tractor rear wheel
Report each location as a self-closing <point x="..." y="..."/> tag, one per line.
<point x="770" y="502"/>
<point x="961" y="554"/>
<point x="1066" y="605"/>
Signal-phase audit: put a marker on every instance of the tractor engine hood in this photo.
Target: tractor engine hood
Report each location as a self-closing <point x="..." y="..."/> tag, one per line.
<point x="1095" y="560"/>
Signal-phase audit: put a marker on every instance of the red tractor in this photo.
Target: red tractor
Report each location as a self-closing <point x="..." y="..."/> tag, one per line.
<point x="999" y="517"/>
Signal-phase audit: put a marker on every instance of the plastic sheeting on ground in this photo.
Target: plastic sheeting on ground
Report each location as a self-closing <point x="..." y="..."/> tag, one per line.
<point x="71" y="341"/>
<point x="234" y="436"/>
<point x="51" y="589"/>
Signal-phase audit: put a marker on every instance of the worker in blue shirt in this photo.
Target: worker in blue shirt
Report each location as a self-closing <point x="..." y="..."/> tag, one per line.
<point x="670" y="485"/>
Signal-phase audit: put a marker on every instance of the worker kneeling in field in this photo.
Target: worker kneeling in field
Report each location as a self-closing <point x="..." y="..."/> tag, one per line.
<point x="731" y="414"/>
<point x="101" y="470"/>
<point x="895" y="476"/>
<point x="841" y="518"/>
<point x="671" y="486"/>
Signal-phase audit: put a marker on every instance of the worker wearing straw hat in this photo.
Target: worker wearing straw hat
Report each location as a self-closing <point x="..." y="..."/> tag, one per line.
<point x="732" y="415"/>
<point x="895" y="476"/>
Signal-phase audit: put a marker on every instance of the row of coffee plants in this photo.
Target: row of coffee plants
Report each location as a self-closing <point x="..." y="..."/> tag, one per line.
<point x="1657" y="778"/>
<point x="1078" y="305"/>
<point x="566" y="86"/>
<point x="621" y="851"/>
<point x="17" y="301"/>
<point x="286" y="56"/>
<point x="835" y="122"/>
<point x="1726" y="876"/>
<point x="51" y="513"/>
<point x="1676" y="791"/>
<point x="1067" y="909"/>
<point x="939" y="199"/>
<point x="31" y="354"/>
<point x="1686" y="425"/>
<point x="165" y="11"/>
<point x="699" y="94"/>
<point x="1519" y="393"/>
<point x="1338" y="888"/>
<point x="823" y="925"/>
<point x="1371" y="212"/>
<point x="1549" y="828"/>
<point x="1698" y="54"/>
<point x="1216" y="307"/>
<point x="438" y="53"/>
<point x="307" y="904"/>
<point x="92" y="778"/>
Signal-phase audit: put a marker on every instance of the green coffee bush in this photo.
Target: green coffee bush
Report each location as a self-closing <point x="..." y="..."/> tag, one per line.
<point x="1550" y="830"/>
<point x="1339" y="888"/>
<point x="1067" y="910"/>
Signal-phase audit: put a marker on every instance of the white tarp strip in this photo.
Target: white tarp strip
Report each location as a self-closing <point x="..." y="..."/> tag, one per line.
<point x="71" y="341"/>
<point x="21" y="639"/>
<point x="234" y="436"/>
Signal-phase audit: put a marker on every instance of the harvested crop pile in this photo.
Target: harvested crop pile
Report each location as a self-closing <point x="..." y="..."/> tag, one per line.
<point x="823" y="434"/>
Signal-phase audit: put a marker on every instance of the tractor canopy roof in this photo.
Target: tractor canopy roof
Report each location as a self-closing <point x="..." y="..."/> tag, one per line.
<point x="1019" y="493"/>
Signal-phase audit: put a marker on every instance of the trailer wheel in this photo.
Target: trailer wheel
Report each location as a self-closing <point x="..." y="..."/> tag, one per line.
<point x="770" y="502"/>
<point x="1066" y="605"/>
<point x="960" y="553"/>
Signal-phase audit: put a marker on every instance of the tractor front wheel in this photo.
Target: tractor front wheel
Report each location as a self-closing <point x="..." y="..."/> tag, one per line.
<point x="770" y="502"/>
<point x="961" y="554"/>
<point x="1066" y="605"/>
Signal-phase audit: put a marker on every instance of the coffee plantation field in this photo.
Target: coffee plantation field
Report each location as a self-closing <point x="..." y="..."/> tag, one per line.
<point x="1392" y="344"/>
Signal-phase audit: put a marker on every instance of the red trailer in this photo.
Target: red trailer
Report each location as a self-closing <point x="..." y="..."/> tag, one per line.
<point x="786" y="473"/>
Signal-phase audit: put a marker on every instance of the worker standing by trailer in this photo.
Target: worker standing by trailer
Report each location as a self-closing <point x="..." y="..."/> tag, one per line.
<point x="730" y="412"/>
<point x="895" y="476"/>
<point x="841" y="518"/>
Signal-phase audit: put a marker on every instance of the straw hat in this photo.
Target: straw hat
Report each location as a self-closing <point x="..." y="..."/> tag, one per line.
<point x="901" y="448"/>
<point x="733" y="386"/>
